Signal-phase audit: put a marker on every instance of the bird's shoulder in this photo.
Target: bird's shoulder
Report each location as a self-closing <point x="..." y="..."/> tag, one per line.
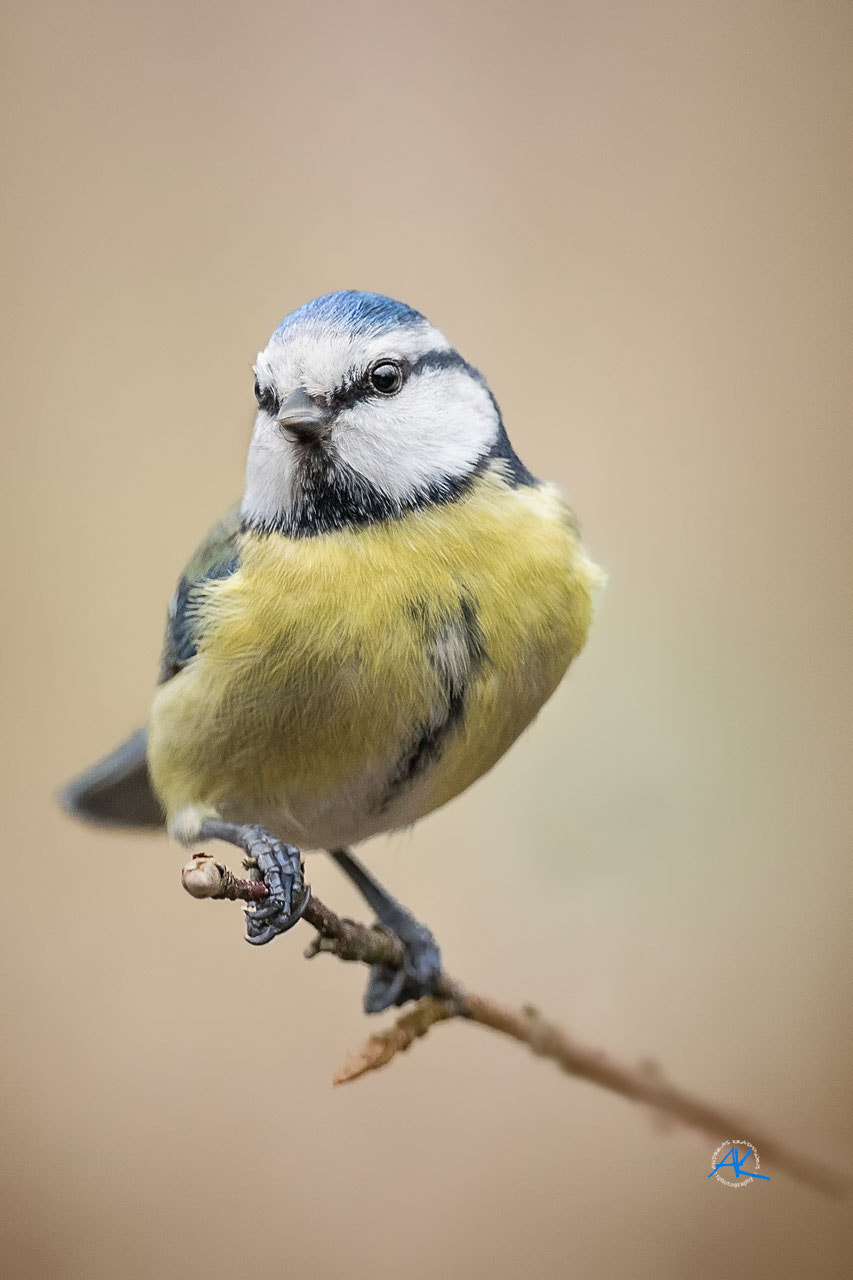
<point x="217" y="557"/>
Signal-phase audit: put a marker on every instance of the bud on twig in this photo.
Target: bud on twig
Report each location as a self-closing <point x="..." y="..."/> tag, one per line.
<point x="202" y="877"/>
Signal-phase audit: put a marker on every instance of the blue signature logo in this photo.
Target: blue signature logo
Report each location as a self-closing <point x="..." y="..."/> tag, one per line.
<point x="736" y="1163"/>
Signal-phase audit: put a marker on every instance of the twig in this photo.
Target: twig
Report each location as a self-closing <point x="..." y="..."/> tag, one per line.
<point x="348" y="940"/>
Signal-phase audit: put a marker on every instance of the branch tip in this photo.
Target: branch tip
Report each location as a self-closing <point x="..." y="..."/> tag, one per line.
<point x="646" y="1083"/>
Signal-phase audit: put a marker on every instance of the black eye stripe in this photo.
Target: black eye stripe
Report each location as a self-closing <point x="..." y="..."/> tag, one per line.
<point x="356" y="387"/>
<point x="266" y="398"/>
<point x="442" y="359"/>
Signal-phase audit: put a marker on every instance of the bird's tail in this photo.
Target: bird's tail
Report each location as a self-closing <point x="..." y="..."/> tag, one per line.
<point x="117" y="791"/>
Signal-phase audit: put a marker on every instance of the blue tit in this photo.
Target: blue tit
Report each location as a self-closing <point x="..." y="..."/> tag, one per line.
<point x="390" y="605"/>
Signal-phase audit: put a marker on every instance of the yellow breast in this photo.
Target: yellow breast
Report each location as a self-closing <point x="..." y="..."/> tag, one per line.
<point x="323" y="658"/>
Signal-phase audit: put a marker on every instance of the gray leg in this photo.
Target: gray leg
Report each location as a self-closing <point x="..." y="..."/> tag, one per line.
<point x="280" y="865"/>
<point x="423" y="958"/>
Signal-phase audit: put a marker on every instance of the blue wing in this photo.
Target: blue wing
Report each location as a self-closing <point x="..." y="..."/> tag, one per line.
<point x="217" y="557"/>
<point x="117" y="791"/>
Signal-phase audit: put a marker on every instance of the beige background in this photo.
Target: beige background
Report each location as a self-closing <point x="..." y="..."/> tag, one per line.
<point x="635" y="219"/>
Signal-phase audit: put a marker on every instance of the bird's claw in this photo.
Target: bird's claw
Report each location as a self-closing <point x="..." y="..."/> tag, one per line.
<point x="280" y="868"/>
<point x="258" y="932"/>
<point x="417" y="978"/>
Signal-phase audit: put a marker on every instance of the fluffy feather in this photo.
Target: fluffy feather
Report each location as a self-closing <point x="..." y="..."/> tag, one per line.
<point x="393" y="603"/>
<point x="317" y="667"/>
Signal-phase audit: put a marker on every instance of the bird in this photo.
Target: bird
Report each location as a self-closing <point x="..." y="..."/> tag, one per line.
<point x="367" y="632"/>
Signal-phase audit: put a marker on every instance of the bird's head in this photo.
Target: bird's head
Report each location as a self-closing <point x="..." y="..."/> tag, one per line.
<point x="365" y="411"/>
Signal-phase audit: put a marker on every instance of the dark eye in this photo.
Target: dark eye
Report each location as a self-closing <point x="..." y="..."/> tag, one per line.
<point x="266" y="398"/>
<point x="386" y="377"/>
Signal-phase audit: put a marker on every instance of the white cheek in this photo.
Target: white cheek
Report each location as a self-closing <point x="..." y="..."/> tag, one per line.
<point x="438" y="428"/>
<point x="270" y="472"/>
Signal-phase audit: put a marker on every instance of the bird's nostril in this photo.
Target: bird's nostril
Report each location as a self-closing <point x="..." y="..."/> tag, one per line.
<point x="303" y="418"/>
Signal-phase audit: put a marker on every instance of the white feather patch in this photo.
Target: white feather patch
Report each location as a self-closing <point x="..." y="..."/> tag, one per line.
<point x="434" y="431"/>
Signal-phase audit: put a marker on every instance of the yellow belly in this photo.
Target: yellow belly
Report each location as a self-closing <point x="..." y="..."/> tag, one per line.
<point x="312" y="676"/>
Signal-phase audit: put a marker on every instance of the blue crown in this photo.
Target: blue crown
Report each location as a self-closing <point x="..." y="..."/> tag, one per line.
<point x="351" y="310"/>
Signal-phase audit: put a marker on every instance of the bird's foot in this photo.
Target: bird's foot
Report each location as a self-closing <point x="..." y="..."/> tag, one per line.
<point x="422" y="958"/>
<point x="421" y="967"/>
<point x="279" y="866"/>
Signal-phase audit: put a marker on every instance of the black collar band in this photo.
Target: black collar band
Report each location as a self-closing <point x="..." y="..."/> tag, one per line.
<point x="333" y="496"/>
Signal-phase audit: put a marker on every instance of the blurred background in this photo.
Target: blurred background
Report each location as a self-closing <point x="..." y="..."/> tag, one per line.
<point x="635" y="219"/>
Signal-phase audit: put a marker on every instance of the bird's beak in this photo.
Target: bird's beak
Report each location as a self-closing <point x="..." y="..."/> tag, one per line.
<point x="302" y="418"/>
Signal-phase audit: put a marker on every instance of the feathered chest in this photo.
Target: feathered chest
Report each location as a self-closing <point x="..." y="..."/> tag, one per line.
<point x="380" y="651"/>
